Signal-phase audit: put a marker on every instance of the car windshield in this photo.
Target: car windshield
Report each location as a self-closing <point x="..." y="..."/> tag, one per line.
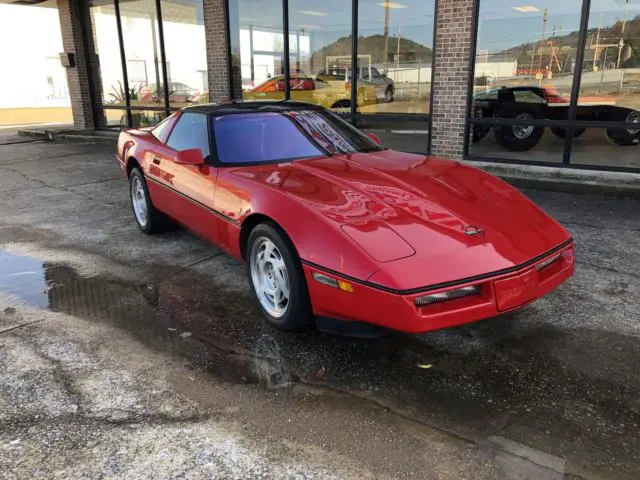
<point x="258" y="137"/>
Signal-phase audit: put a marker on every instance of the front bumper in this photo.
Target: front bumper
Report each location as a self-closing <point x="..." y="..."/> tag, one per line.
<point x="497" y="294"/>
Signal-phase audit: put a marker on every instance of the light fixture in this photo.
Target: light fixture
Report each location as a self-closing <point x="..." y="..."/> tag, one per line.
<point x="314" y="13"/>
<point x="332" y="282"/>
<point x="392" y="5"/>
<point x="547" y="262"/>
<point x="526" y="9"/>
<point x="454" y="294"/>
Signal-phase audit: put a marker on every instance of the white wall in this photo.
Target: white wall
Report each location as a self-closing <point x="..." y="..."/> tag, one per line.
<point x="30" y="41"/>
<point x="497" y="69"/>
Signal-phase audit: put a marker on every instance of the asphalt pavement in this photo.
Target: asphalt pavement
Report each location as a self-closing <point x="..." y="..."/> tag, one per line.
<point x="132" y="356"/>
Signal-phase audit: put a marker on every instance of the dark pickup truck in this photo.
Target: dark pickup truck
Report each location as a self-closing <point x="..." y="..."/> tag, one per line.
<point x="531" y="102"/>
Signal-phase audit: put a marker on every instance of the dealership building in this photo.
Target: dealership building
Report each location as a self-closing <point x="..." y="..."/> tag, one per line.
<point x="537" y="82"/>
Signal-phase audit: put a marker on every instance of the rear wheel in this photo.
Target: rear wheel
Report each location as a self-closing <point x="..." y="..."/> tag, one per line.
<point x="277" y="279"/>
<point x="519" y="138"/>
<point x="148" y="218"/>
<point x="628" y="136"/>
<point x="388" y="95"/>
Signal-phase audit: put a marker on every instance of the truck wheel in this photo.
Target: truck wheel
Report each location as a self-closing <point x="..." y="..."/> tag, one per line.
<point x="630" y="136"/>
<point x="388" y="95"/>
<point x="519" y="138"/>
<point x="479" y="132"/>
<point x="562" y="132"/>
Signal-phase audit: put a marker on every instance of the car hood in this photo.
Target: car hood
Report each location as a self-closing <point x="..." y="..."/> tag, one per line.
<point x="444" y="218"/>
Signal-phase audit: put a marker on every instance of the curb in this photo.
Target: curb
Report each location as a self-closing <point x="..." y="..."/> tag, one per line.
<point x="69" y="135"/>
<point x="559" y="179"/>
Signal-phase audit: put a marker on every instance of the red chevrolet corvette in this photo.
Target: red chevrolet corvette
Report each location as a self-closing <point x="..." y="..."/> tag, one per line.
<point x="333" y="226"/>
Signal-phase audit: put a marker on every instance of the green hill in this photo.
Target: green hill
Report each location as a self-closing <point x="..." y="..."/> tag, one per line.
<point x="373" y="45"/>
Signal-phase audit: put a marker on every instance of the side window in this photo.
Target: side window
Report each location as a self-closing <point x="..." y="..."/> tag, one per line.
<point x="190" y="132"/>
<point x="527" y="96"/>
<point x="161" y="130"/>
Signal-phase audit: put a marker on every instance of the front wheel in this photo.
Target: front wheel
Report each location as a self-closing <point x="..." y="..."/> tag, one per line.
<point x="388" y="95"/>
<point x="277" y="279"/>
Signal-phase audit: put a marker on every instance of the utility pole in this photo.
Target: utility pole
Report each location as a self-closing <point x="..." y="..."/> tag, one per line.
<point x="595" y="52"/>
<point x="624" y="18"/>
<point x="385" y="58"/>
<point x="397" y="57"/>
<point x="544" y="27"/>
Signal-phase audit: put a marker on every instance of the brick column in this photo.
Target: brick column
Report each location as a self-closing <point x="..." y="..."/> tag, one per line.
<point x="451" y="76"/>
<point x="218" y="66"/>
<point x="78" y="76"/>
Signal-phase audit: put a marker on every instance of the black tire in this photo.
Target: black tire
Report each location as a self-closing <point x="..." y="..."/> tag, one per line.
<point x="562" y="132"/>
<point x="624" y="137"/>
<point x="157" y="222"/>
<point x="479" y="132"/>
<point x="388" y="94"/>
<point x="298" y="313"/>
<point x="518" y="138"/>
<point x="342" y="104"/>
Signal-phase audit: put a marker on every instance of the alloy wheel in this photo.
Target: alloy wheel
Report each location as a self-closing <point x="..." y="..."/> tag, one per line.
<point x="139" y="201"/>
<point x="270" y="277"/>
<point x="522" y="132"/>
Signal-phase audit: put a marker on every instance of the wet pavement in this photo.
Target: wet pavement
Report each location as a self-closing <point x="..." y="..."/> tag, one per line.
<point x="548" y="392"/>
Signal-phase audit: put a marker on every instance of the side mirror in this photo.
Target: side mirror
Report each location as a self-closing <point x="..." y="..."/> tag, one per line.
<point x="374" y="137"/>
<point x="192" y="156"/>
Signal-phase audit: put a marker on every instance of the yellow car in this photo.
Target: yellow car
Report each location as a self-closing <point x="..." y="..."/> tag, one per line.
<point x="330" y="92"/>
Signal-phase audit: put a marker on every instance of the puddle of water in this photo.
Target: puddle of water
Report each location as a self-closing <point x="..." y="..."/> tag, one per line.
<point x="162" y="316"/>
<point x="24" y="278"/>
<point x="504" y="367"/>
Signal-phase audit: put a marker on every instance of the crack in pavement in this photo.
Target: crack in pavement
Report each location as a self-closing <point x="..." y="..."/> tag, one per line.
<point x="609" y="269"/>
<point x="10" y="329"/>
<point x="64" y="188"/>
<point x="144" y="419"/>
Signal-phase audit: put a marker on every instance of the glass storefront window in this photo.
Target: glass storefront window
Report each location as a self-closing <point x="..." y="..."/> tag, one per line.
<point x="105" y="35"/>
<point x="185" y="51"/>
<point x="321" y="52"/>
<point x="142" y="49"/>
<point x="257" y="48"/>
<point x="610" y="85"/>
<point x="395" y="53"/>
<point x="524" y="69"/>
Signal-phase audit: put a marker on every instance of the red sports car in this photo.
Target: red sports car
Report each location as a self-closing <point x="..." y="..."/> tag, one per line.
<point x="333" y="226"/>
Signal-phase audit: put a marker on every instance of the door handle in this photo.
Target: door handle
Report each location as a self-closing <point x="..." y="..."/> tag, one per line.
<point x="156" y="161"/>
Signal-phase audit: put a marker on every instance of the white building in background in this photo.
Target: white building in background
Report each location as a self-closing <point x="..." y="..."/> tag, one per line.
<point x="30" y="71"/>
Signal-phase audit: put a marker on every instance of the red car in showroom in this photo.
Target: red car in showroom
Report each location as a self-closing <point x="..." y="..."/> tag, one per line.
<point x="336" y="228"/>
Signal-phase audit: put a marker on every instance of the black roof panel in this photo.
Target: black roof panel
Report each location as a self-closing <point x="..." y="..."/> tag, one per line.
<point x="236" y="106"/>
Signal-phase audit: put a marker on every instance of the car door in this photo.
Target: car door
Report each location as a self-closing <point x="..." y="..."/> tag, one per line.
<point x="186" y="192"/>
